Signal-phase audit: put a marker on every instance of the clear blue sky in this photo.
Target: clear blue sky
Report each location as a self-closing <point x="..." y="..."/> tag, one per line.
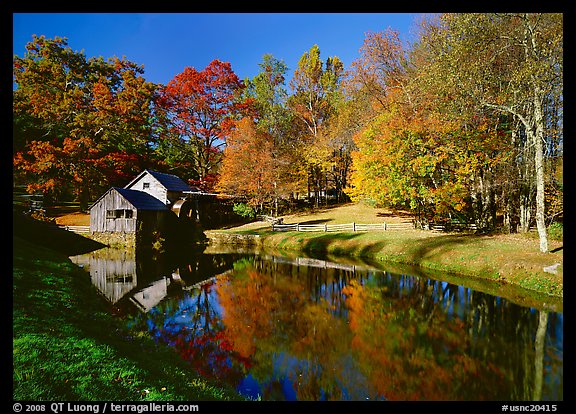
<point x="166" y="43"/>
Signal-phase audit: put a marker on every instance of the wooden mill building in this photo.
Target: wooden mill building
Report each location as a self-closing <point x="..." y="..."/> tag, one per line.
<point x="152" y="201"/>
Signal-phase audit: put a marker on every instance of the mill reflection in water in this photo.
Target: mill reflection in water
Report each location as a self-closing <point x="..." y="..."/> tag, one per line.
<point x="282" y="328"/>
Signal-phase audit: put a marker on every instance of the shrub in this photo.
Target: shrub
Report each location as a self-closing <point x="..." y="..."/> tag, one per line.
<point x="556" y="231"/>
<point x="40" y="215"/>
<point x="244" y="210"/>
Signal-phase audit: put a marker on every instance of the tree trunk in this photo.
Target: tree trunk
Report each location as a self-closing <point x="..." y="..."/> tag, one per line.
<point x="525" y="197"/>
<point x="326" y="188"/>
<point x="83" y="198"/>
<point x="490" y="199"/>
<point x="317" y="186"/>
<point x="538" y="138"/>
<point x="525" y="161"/>
<point x="275" y="199"/>
<point x="508" y="192"/>
<point x="483" y="200"/>
<point x="539" y="355"/>
<point x="524" y="212"/>
<point x="308" y="182"/>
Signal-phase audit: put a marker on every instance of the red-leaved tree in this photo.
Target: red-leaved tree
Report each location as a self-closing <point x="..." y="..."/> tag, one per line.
<point x="198" y="109"/>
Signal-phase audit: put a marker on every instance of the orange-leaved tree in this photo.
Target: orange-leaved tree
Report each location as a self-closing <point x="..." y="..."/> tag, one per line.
<point x="251" y="168"/>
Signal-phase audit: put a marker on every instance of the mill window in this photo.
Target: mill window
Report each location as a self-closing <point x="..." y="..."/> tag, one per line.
<point x="119" y="213"/>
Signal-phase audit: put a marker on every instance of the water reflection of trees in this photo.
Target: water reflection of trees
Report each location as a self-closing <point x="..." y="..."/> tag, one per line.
<point x="275" y="311"/>
<point x="192" y="326"/>
<point x="336" y="333"/>
<point x="500" y="350"/>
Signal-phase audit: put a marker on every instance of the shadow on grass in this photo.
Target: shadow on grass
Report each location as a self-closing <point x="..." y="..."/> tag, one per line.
<point x="50" y="236"/>
<point x="321" y="221"/>
<point x="396" y="213"/>
<point x="423" y="249"/>
<point x="322" y="244"/>
<point x="557" y="249"/>
<point x="437" y="246"/>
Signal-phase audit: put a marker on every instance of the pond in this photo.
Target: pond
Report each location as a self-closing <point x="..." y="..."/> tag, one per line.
<point x="280" y="327"/>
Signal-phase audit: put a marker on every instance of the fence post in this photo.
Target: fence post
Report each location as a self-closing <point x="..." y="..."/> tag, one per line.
<point x="384" y="226"/>
<point x="353" y="226"/>
<point x="272" y="226"/>
<point x="297" y="226"/>
<point x="325" y="228"/>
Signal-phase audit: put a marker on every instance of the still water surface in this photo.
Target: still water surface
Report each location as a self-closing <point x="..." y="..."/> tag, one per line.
<point x="280" y="328"/>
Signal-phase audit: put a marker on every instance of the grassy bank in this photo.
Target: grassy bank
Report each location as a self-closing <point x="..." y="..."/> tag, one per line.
<point x="512" y="259"/>
<point x="68" y="346"/>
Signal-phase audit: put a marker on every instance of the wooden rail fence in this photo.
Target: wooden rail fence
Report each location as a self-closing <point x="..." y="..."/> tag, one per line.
<point x="76" y="229"/>
<point x="341" y="227"/>
<point x="370" y="227"/>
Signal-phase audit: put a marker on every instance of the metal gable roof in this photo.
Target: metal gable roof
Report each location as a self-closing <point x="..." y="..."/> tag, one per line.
<point x="169" y="181"/>
<point x="141" y="200"/>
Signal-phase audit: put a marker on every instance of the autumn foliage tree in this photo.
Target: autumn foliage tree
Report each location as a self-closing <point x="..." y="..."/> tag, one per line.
<point x="197" y="110"/>
<point x="260" y="159"/>
<point x="316" y="93"/>
<point x="517" y="75"/>
<point x="408" y="155"/>
<point x="454" y="134"/>
<point x="267" y="91"/>
<point x="79" y="124"/>
<point x="253" y="168"/>
<point x="464" y="124"/>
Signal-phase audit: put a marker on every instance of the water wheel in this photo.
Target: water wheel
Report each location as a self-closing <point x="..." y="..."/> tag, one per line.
<point x="184" y="209"/>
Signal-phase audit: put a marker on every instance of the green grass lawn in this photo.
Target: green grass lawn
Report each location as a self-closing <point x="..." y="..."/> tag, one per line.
<point x="68" y="346"/>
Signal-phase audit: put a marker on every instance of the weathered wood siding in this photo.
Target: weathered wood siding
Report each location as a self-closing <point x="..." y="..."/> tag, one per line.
<point x="112" y="201"/>
<point x="154" y="188"/>
<point x="114" y="277"/>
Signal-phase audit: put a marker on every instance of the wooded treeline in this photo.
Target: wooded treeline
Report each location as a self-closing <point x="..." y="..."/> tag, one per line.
<point x="465" y="123"/>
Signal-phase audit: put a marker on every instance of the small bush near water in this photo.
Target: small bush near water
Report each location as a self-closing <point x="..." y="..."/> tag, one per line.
<point x="244" y="210"/>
